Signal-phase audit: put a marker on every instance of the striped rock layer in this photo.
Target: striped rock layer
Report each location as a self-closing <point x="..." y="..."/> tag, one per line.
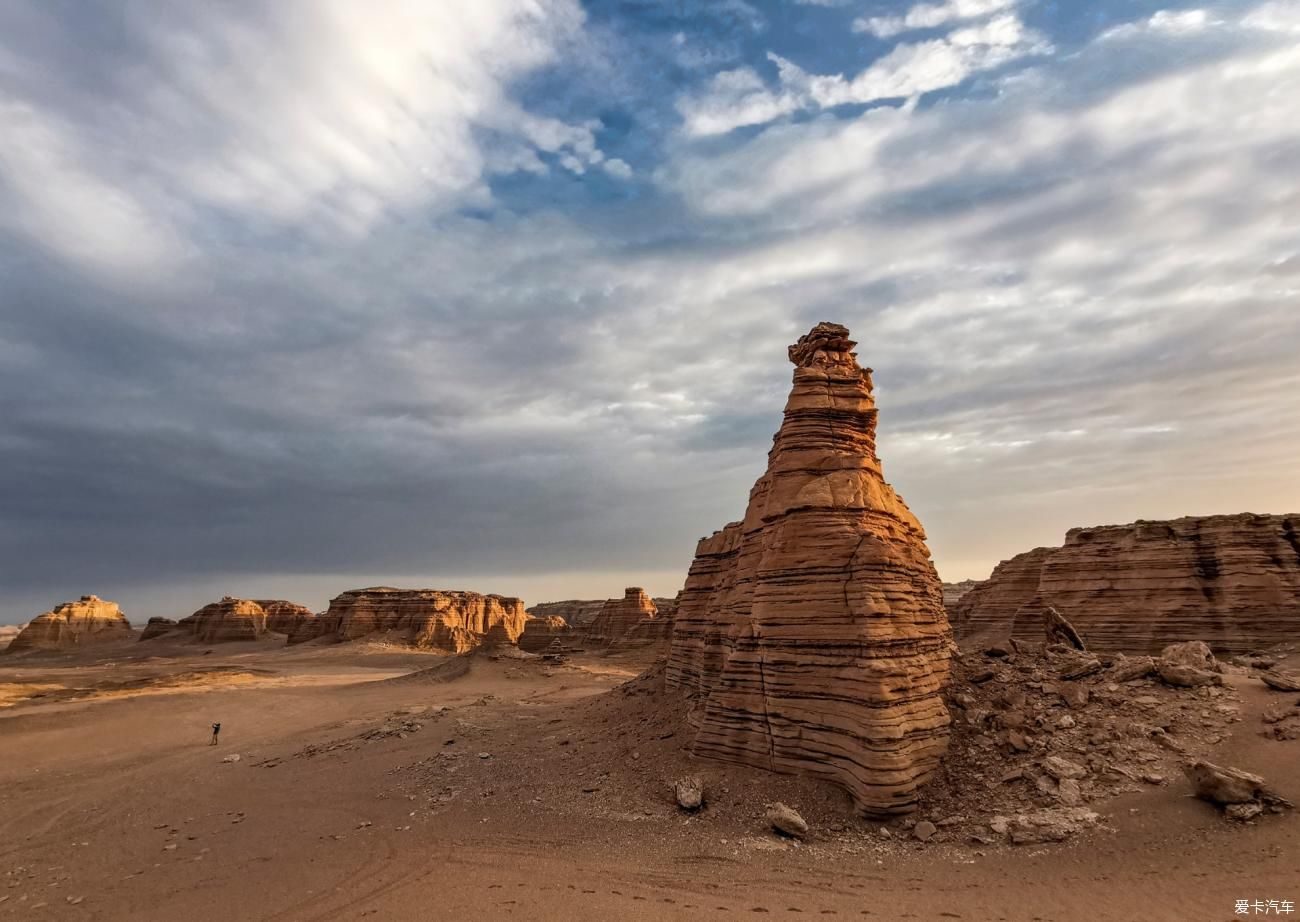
<point x="577" y="612"/>
<point x="619" y="617"/>
<point x="813" y="631"/>
<point x="539" y="633"/>
<point x="454" y="621"/>
<point x="232" y="620"/>
<point x="1232" y="581"/>
<point x="71" y="624"/>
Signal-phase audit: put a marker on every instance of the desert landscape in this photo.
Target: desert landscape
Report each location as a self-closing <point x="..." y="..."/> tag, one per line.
<point x="797" y="732"/>
<point x="562" y="460"/>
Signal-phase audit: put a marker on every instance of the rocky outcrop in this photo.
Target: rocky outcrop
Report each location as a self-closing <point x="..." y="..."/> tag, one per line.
<point x="73" y="624"/>
<point x="952" y="592"/>
<point x="157" y="627"/>
<point x="232" y="620"/>
<point x="986" y="611"/>
<point x="8" y="632"/>
<point x="1230" y="580"/>
<point x="446" y="620"/>
<point x="618" y="617"/>
<point x="285" y="617"/>
<point x="577" y="612"/>
<point x="813" y="631"/>
<point x="667" y="608"/>
<point x="540" y="633"/>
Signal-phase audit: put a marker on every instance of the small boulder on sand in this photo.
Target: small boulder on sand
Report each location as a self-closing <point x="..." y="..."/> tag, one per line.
<point x="1281" y="679"/>
<point x="1188" y="665"/>
<point x="787" y="821"/>
<point x="689" y="792"/>
<point x="1230" y="787"/>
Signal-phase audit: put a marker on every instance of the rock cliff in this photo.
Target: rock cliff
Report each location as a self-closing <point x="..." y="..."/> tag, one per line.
<point x="1230" y="580"/>
<point x="453" y="621"/>
<point x="577" y="612"/>
<point x="540" y="633"/>
<point x="157" y="627"/>
<point x="619" y="617"/>
<point x="90" y="620"/>
<point x="813" y="631"/>
<point x="234" y="619"/>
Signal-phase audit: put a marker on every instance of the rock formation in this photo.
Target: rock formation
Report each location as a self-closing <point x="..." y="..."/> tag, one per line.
<point x="952" y="592"/>
<point x="813" y="631"/>
<point x="234" y="619"/>
<point x="453" y="621"/>
<point x="1230" y="580"/>
<point x="618" y="617"/>
<point x="577" y="612"/>
<point x="8" y="632"/>
<point x="540" y="633"/>
<point x="157" y="627"/>
<point x="90" y="620"/>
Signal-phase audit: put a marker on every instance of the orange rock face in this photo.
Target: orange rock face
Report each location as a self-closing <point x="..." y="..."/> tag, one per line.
<point x="577" y="612"/>
<point x="1232" y="581"/>
<point x="234" y="619"/>
<point x="813" y="631"/>
<point x="453" y="621"/>
<point x="540" y="633"/>
<point x="90" y="620"/>
<point x="619" y="617"/>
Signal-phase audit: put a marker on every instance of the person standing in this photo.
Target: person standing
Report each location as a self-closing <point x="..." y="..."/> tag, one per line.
<point x="216" y="731"/>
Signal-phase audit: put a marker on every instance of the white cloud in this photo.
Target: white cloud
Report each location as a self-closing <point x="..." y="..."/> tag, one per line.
<point x="325" y="115"/>
<point x="738" y="98"/>
<point x="930" y="16"/>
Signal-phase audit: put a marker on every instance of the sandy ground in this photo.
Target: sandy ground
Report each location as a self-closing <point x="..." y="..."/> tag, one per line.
<point x="369" y="788"/>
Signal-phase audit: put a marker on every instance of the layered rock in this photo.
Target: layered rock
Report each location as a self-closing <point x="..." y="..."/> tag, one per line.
<point x="88" y="621"/>
<point x="447" y="620"/>
<point x="8" y="632"/>
<point x="1230" y="580"/>
<point x="577" y="612"/>
<point x="157" y="627"/>
<point x="813" y="631"/>
<point x="539" y="633"/>
<point x="619" y="617"/>
<point x="986" y="611"/>
<point x="952" y="593"/>
<point x="232" y="620"/>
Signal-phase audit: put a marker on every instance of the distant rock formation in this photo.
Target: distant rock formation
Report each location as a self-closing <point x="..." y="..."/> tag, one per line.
<point x="232" y="620"/>
<point x="447" y="620"/>
<point x="157" y="627"/>
<point x="90" y="620"/>
<point x="618" y="617"/>
<point x="813" y="632"/>
<point x="8" y="632"/>
<point x="952" y="592"/>
<point x="577" y="612"/>
<point x="1230" y="580"/>
<point x="540" y="633"/>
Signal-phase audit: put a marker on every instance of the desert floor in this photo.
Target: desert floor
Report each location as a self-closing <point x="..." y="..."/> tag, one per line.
<point x="368" y="787"/>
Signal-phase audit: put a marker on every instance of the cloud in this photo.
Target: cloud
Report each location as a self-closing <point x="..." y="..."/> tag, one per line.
<point x="740" y="97"/>
<point x="1075" y="286"/>
<point x="311" y="115"/>
<point x="930" y="16"/>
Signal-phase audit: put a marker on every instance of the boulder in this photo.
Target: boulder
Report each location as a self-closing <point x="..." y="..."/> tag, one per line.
<point x="1057" y="630"/>
<point x="1230" y="580"/>
<point x="689" y="792"/>
<point x="787" y="821"/>
<point x="91" y="620"/>
<point x="813" y="631"/>
<point x="1223" y="785"/>
<point x="1194" y="653"/>
<point x="1128" y="668"/>
<point x="1281" y="679"/>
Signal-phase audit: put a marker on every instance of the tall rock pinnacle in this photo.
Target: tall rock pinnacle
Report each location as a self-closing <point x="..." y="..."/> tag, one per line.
<point x="813" y="630"/>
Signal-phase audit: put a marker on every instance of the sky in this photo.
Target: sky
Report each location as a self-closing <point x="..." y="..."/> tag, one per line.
<point x="306" y="296"/>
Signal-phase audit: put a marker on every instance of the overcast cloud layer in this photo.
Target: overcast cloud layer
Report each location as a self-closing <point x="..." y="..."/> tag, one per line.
<point x="296" y="298"/>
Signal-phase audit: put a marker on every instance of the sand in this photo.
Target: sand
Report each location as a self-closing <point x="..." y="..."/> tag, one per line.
<point x="515" y="790"/>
